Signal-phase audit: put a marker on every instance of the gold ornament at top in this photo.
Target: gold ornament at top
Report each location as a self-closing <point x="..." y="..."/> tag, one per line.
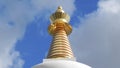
<point x="59" y="19"/>
<point x="59" y="15"/>
<point x="60" y="29"/>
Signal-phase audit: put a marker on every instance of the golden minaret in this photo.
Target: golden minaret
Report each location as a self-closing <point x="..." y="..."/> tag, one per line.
<point x="60" y="29"/>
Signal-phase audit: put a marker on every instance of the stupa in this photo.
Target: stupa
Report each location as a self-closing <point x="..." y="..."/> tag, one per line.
<point x="60" y="54"/>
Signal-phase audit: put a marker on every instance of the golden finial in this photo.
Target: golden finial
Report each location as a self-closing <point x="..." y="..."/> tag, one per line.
<point x="60" y="9"/>
<point x="60" y="29"/>
<point x="60" y="15"/>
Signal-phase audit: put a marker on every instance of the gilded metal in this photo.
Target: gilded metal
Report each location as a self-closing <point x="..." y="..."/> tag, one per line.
<point x="60" y="15"/>
<point x="60" y="29"/>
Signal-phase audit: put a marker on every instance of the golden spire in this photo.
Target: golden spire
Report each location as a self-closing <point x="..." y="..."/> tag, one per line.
<point x="60" y="29"/>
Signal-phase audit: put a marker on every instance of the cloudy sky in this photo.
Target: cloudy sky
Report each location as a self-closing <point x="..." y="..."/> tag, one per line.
<point x="24" y="40"/>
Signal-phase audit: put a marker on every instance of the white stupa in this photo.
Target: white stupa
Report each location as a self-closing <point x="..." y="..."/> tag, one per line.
<point x="60" y="54"/>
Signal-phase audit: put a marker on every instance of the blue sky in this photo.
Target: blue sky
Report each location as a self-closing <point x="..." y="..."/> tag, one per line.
<point x="24" y="40"/>
<point x="34" y="45"/>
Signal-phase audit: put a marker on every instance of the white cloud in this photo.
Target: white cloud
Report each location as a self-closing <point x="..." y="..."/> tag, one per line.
<point x="14" y="17"/>
<point x="97" y="40"/>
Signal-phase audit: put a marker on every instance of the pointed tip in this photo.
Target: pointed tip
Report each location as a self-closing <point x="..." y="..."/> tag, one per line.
<point x="60" y="9"/>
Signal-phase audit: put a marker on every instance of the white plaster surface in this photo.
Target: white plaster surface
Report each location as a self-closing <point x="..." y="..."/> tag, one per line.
<point x="61" y="64"/>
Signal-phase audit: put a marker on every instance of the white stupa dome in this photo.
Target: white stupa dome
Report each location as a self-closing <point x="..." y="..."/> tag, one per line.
<point x="61" y="64"/>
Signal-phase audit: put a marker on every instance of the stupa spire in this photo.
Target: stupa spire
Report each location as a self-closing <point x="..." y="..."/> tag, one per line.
<point x="60" y="53"/>
<point x="60" y="29"/>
